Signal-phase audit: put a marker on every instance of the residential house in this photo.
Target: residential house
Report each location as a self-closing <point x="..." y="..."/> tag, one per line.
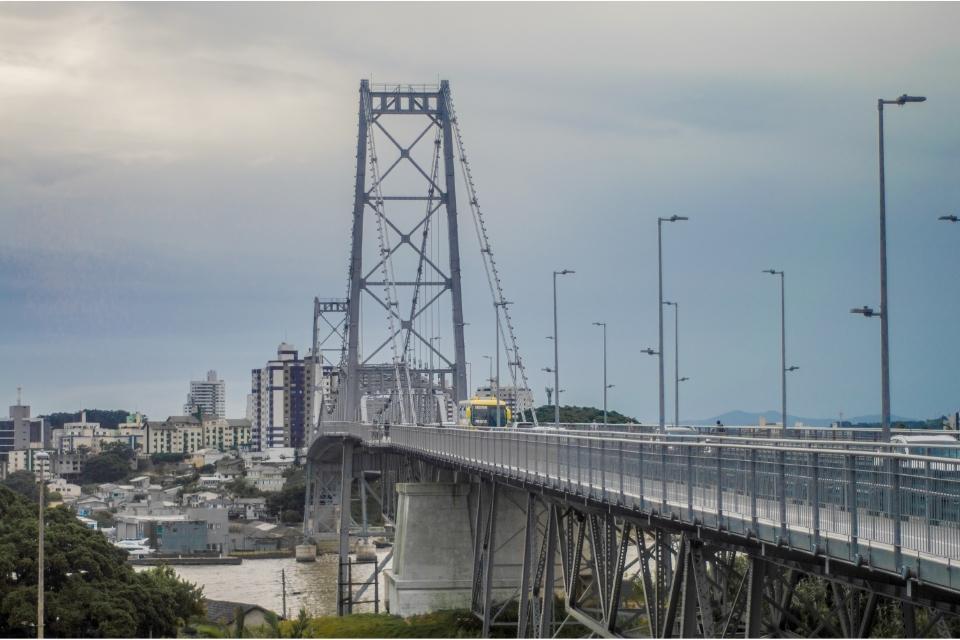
<point x="167" y="533"/>
<point x="224" y="612"/>
<point x="90" y="505"/>
<point x="248" y="508"/>
<point x="266" y="477"/>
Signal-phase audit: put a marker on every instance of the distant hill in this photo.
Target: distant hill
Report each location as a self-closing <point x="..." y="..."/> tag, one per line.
<point x="107" y="418"/>
<point x="738" y="417"/>
<point x="580" y="414"/>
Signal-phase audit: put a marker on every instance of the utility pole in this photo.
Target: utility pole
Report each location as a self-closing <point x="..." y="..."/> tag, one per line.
<point x="283" y="582"/>
<point x="40" y="459"/>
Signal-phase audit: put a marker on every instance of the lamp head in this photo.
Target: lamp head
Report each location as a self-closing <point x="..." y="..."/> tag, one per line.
<point x="649" y="352"/>
<point x="950" y="218"/>
<point x="902" y="100"/>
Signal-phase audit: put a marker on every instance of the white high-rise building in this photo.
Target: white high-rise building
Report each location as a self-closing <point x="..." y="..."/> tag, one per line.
<point x="208" y="395"/>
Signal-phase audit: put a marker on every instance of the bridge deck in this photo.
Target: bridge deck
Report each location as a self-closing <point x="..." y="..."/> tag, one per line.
<point x="781" y="494"/>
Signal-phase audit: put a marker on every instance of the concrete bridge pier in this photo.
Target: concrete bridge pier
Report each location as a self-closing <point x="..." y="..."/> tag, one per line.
<point x="438" y="555"/>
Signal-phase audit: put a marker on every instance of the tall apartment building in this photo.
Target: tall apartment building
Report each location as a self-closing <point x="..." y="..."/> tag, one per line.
<point x="207" y="395"/>
<point x="19" y="430"/>
<point x="282" y="403"/>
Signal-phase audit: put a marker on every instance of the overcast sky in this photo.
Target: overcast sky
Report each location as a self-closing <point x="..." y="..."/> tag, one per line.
<point x="176" y="185"/>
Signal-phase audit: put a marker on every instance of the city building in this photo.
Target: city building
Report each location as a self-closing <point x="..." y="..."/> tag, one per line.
<point x="91" y="437"/>
<point x="283" y="400"/>
<point x="19" y="430"/>
<point x="187" y="434"/>
<point x="208" y="396"/>
<point x="174" y="533"/>
<point x="27" y="460"/>
<point x="518" y="399"/>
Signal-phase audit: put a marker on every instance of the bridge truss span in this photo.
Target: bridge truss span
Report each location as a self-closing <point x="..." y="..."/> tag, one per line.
<point x="697" y="538"/>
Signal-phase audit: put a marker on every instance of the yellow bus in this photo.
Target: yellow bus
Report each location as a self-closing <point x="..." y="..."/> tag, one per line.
<point x="482" y="412"/>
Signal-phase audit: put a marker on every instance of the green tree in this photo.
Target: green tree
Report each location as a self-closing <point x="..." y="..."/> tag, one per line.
<point x="90" y="589"/>
<point x="106" y="467"/>
<point x="300" y="626"/>
<point x="288" y="502"/>
<point x="242" y="489"/>
<point x="167" y="458"/>
<point x="107" y="418"/>
<point x="573" y="414"/>
<point x="24" y="483"/>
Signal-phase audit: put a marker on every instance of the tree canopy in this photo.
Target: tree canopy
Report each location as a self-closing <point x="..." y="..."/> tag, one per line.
<point x="288" y="502"/>
<point x="107" y="418"/>
<point x="112" y="464"/>
<point x="90" y="589"/>
<point x="571" y="414"/>
<point x="22" y="482"/>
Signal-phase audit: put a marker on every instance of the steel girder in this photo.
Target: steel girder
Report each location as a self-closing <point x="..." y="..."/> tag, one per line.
<point x="615" y="575"/>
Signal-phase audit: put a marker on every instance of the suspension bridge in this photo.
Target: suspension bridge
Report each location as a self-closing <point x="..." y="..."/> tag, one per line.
<point x="622" y="533"/>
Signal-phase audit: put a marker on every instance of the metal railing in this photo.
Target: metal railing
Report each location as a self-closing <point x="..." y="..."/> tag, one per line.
<point x="896" y="512"/>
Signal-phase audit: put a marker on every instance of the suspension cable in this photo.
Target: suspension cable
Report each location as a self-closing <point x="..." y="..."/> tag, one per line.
<point x="489" y="263"/>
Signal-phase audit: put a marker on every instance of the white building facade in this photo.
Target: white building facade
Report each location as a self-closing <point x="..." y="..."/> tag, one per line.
<point x="209" y="396"/>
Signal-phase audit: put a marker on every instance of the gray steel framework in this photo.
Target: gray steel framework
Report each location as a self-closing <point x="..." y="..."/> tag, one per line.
<point x="376" y="107"/>
<point x="626" y="562"/>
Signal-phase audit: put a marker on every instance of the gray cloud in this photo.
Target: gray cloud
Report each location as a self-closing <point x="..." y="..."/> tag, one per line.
<point x="178" y="178"/>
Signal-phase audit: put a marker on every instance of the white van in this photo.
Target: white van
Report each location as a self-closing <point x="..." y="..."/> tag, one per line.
<point x="938" y="446"/>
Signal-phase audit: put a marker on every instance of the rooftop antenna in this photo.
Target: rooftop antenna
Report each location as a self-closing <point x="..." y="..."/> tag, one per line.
<point x="19" y="389"/>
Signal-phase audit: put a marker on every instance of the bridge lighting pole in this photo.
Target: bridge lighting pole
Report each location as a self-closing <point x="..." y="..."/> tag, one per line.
<point x="884" y="311"/>
<point x="660" y="221"/>
<point x="605" y="385"/>
<point x="489" y="360"/>
<point x="784" y="369"/>
<point x="679" y="380"/>
<point x="556" y="350"/>
<point x="676" y="361"/>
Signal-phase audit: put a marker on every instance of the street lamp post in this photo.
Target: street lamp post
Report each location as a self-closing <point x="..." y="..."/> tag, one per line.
<point x="676" y="361"/>
<point x="489" y="360"/>
<point x="660" y="221"/>
<point x="884" y="311"/>
<point x="605" y="385"/>
<point x="556" y="350"/>
<point x="40" y="459"/>
<point x="784" y="369"/>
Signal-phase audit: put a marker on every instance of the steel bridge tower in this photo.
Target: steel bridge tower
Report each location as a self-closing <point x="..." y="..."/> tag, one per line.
<point x="405" y="298"/>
